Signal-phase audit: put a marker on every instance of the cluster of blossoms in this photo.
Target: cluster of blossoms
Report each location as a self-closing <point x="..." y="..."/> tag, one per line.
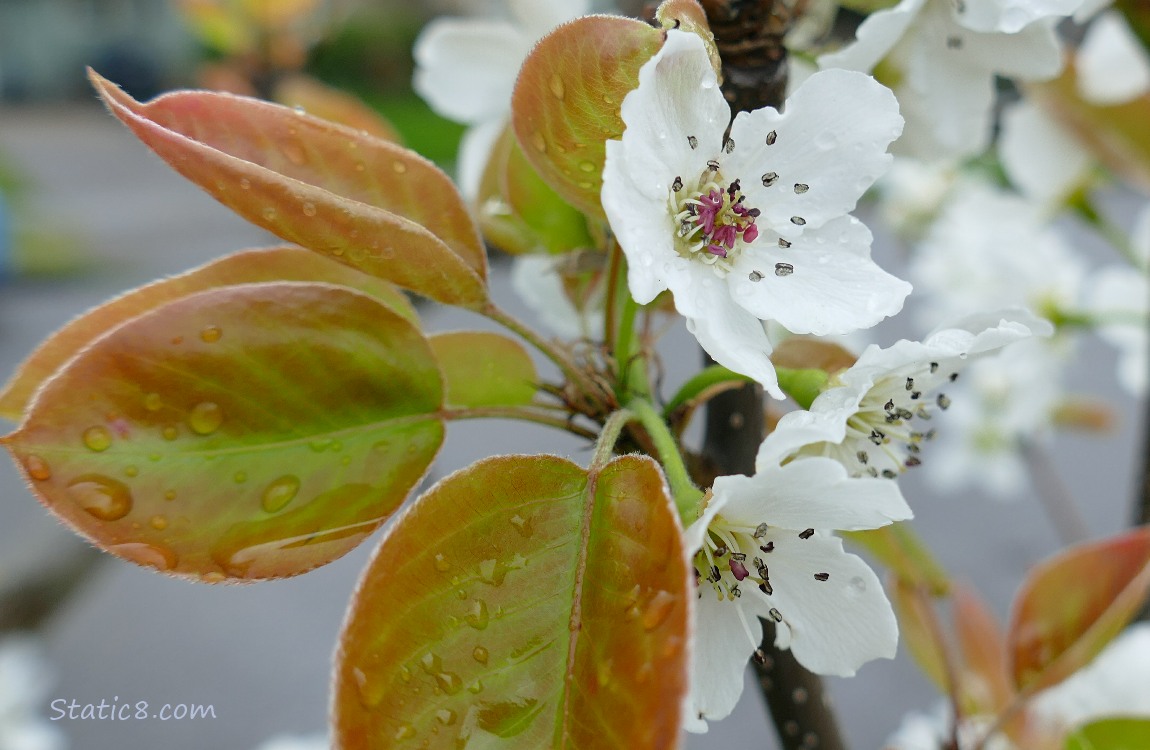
<point x="746" y="222"/>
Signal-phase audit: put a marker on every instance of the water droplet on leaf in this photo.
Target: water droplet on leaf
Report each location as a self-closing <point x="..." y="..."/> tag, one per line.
<point x="102" y="497"/>
<point x="478" y="616"/>
<point x="150" y="555"/>
<point x="205" y="418"/>
<point x="97" y="438"/>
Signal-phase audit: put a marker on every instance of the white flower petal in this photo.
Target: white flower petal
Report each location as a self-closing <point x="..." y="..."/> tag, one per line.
<point x="537" y="17"/>
<point x="1033" y="54"/>
<point x="1011" y="16"/>
<point x="732" y="336"/>
<point x="678" y="99"/>
<point x="641" y="224"/>
<point x="1122" y="294"/>
<point x="875" y="38"/>
<point x="811" y="493"/>
<point x="466" y="68"/>
<point x="835" y="626"/>
<point x="829" y="147"/>
<point x="833" y="285"/>
<point x="720" y="656"/>
<point x="800" y="428"/>
<point x="1112" y="66"/>
<point x="1041" y="158"/>
<point x="474" y="152"/>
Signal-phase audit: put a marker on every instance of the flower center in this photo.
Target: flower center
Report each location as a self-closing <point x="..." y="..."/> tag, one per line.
<point x="712" y="220"/>
<point x="890" y="419"/>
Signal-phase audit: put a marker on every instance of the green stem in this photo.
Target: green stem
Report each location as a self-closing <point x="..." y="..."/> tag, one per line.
<point x="605" y="446"/>
<point x="521" y="413"/>
<point x="547" y="348"/>
<point x="705" y="379"/>
<point x="630" y="359"/>
<point x="803" y="385"/>
<point x="687" y="496"/>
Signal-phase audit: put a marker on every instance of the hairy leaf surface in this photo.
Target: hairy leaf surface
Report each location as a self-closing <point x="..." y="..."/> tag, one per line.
<point x="246" y="266"/>
<point x="566" y="101"/>
<point x="1072" y="605"/>
<point x="363" y="201"/>
<point x="247" y="432"/>
<point x="523" y="602"/>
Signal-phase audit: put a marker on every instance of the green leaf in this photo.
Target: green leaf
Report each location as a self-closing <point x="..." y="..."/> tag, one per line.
<point x="484" y="369"/>
<point x="246" y="432"/>
<point x="1072" y="605"/>
<point x="360" y="200"/>
<point x="558" y="226"/>
<point x="522" y="602"/>
<point x="246" y="266"/>
<point x="567" y="98"/>
<point x="1111" y="734"/>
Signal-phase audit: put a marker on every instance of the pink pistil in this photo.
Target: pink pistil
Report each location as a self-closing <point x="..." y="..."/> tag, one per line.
<point x="724" y="218"/>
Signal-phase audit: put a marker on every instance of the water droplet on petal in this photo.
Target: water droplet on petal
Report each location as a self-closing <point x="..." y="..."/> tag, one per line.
<point x="102" y="497"/>
<point x="477" y="617"/>
<point x="279" y="493"/>
<point x="858" y="584"/>
<point x="206" y="417"/>
<point x="97" y="438"/>
<point x="37" y="468"/>
<point x="151" y="555"/>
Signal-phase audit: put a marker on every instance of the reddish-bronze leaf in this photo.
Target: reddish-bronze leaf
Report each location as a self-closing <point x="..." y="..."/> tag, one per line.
<point x="986" y="688"/>
<point x="566" y="101"/>
<point x="365" y="202"/>
<point x="522" y="602"/>
<point x="331" y="104"/>
<point x="1070" y="606"/>
<point x="245" y="432"/>
<point x="244" y="267"/>
<point x="921" y="631"/>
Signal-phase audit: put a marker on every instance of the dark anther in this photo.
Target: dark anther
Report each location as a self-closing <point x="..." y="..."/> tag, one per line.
<point x="910" y="384"/>
<point x="800" y="188"/>
<point x="771" y="137"/>
<point x="798" y="221"/>
<point x="755" y="276"/>
<point x="822" y="576"/>
<point x="806" y="534"/>
<point x="677" y="185"/>
<point x="933" y="367"/>
<point x="943" y="402"/>
<point x="889" y="474"/>
<point x="784" y="243"/>
<point x="768" y="547"/>
<point x="693" y="141"/>
<point x="713" y="165"/>
<point x="770" y="178"/>
<point x="776" y="615"/>
<point x="784" y="269"/>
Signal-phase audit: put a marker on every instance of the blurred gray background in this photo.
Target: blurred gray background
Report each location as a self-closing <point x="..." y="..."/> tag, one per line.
<point x="261" y="654"/>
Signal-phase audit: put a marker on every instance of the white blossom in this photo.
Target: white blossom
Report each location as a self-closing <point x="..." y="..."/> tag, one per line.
<point x="296" y="742"/>
<point x="1112" y="67"/>
<point x="539" y="284"/>
<point x="948" y="53"/>
<point x="752" y="226"/>
<point x="466" y="70"/>
<point x="1042" y="159"/>
<point x="880" y="410"/>
<point x="765" y="551"/>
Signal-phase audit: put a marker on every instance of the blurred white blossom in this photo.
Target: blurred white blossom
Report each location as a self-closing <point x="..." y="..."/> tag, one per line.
<point x="24" y="684"/>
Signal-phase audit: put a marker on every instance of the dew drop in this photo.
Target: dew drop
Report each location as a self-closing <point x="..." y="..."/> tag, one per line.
<point x="360" y="166"/>
<point x="97" y="438"/>
<point x="538" y="142"/>
<point x="507" y="718"/>
<point x="557" y="87"/>
<point x="586" y="185"/>
<point x="245" y="183"/>
<point x="658" y="609"/>
<point x="449" y="682"/>
<point x="826" y="140"/>
<point x="405" y="732"/>
<point x="269" y="214"/>
<point x="159" y="523"/>
<point x="477" y="617"/>
<point x="587" y="166"/>
<point x="858" y="584"/>
<point x="405" y="674"/>
<point x="441" y="563"/>
<point x="279" y="493"/>
<point x="445" y="716"/>
<point x="475" y="688"/>
<point x="399" y="167"/>
<point x="522" y="525"/>
<point x="431" y="663"/>
<point x="240" y="477"/>
<point x="205" y="418"/>
<point x="151" y="555"/>
<point x="170" y="495"/>
<point x="37" y="468"/>
<point x="480" y="654"/>
<point x="213" y="576"/>
<point x="102" y="497"/>
<point x="295" y="154"/>
<point x="153" y="402"/>
<point x="308" y="209"/>
<point x="170" y="433"/>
